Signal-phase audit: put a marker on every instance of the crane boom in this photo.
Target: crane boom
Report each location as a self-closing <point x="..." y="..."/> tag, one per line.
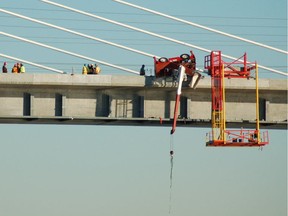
<point x="178" y="94"/>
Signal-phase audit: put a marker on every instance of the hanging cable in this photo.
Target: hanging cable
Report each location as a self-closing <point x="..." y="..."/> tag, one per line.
<point x="171" y="146"/>
<point x="171" y="170"/>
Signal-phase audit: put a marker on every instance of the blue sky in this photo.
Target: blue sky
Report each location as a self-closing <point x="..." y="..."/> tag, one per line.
<point x="101" y="170"/>
<point x="258" y="23"/>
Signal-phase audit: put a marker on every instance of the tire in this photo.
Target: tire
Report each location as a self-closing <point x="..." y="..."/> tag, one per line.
<point x="163" y="59"/>
<point x="185" y="56"/>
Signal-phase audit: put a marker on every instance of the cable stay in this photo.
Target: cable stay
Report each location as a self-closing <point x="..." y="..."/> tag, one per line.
<point x="32" y="63"/>
<point x="201" y="26"/>
<point x="69" y="53"/>
<point x="76" y="33"/>
<point x="154" y="34"/>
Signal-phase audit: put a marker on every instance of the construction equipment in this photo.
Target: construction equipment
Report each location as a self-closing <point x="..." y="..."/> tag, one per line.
<point x="177" y="100"/>
<point x="219" y="70"/>
<point x="180" y="69"/>
<point x="164" y="67"/>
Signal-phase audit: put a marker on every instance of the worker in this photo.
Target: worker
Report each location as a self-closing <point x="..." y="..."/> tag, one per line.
<point x="175" y="74"/>
<point x="84" y="70"/>
<point x="97" y="69"/>
<point x="4" y="68"/>
<point x="142" y="70"/>
<point x="18" y="67"/>
<point x="90" y="68"/>
<point x="15" y="69"/>
<point x="22" y="68"/>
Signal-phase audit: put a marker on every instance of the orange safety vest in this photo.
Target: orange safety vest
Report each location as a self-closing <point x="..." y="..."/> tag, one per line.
<point x="15" y="69"/>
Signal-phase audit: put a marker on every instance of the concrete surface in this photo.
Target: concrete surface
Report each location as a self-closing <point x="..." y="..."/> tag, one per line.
<point x="134" y="100"/>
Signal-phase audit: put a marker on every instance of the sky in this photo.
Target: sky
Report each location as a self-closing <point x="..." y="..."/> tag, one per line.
<point x="110" y="170"/>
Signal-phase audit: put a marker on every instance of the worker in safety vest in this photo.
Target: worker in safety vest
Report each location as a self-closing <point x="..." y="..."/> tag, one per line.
<point x="15" y="69"/>
<point x="84" y="70"/>
<point x="22" y="68"/>
<point x="97" y="69"/>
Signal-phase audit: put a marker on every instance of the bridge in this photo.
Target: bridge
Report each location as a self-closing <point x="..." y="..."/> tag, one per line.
<point x="135" y="100"/>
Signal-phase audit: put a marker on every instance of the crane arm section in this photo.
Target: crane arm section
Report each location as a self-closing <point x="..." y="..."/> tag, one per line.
<point x="178" y="95"/>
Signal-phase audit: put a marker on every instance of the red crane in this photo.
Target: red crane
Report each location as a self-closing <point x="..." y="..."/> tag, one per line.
<point x="164" y="66"/>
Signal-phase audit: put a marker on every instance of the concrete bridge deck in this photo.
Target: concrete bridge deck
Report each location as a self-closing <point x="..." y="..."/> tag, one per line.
<point x="134" y="100"/>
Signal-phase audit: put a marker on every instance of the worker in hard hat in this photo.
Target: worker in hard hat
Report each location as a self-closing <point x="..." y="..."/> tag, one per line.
<point x="18" y="67"/>
<point x="22" y="68"/>
<point x="84" y="69"/>
<point x="142" y="70"/>
<point x="4" y="68"/>
<point x="97" y="69"/>
<point x="15" y="69"/>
